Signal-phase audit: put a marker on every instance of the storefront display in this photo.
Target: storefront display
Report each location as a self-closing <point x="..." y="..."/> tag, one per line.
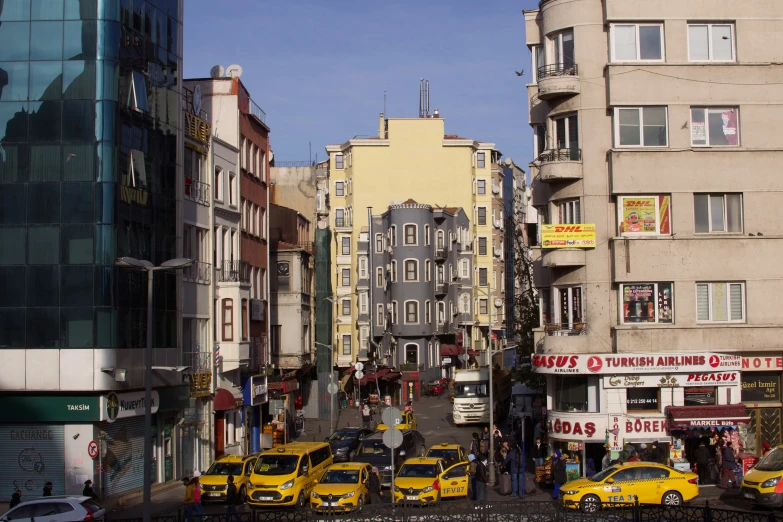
<point x="761" y="393"/>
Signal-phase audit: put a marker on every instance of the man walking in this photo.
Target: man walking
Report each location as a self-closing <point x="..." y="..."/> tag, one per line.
<point x="472" y="475"/>
<point x="375" y="487"/>
<point x="232" y="499"/>
<point x="47" y="490"/>
<point x="482" y="478"/>
<point x="558" y="473"/>
<point x="703" y="463"/>
<point x="513" y="463"/>
<point x="366" y="416"/>
<point x="727" y="477"/>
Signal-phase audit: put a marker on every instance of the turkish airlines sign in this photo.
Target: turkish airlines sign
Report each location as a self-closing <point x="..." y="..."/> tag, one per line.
<point x="673" y="381"/>
<point x="631" y="363"/>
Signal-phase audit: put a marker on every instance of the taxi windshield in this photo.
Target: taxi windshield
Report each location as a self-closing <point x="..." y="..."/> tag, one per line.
<point x="470" y="389"/>
<point x="445" y="454"/>
<point x="340" y="476"/>
<point x="343" y="435"/>
<point x="598" y="477"/>
<point x="772" y="461"/>
<point x="374" y="447"/>
<point x="225" y="468"/>
<point x="276" y="464"/>
<point x="419" y="471"/>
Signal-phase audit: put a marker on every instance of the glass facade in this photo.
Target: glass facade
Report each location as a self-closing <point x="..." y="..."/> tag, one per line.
<point x="89" y="126"/>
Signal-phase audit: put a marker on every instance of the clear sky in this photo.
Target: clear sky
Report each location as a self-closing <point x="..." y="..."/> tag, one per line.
<point x="319" y="67"/>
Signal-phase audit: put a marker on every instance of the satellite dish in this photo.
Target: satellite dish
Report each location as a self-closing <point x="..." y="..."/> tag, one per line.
<point x="234" y="71"/>
<point x="498" y="303"/>
<point x="508" y="161"/>
<point x="217" y="72"/>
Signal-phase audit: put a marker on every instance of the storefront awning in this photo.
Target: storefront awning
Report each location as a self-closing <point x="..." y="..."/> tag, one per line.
<point x="686" y="417"/>
<point x="371" y="377"/>
<point x="447" y="350"/>
<point x="225" y="400"/>
<point x="348" y="371"/>
<point x="391" y="376"/>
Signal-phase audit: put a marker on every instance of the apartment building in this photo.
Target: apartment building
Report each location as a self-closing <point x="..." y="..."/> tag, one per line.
<point x="413" y="159"/>
<point x="655" y="169"/>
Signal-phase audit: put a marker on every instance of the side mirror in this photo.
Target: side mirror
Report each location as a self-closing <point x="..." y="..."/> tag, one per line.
<point x="610" y="480"/>
<point x="402" y="453"/>
<point x="305" y="469"/>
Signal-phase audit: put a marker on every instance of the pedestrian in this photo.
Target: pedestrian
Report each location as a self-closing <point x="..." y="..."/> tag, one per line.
<point x="198" y="508"/>
<point x="538" y="452"/>
<point x="47" y="490"/>
<point x="375" y="486"/>
<point x="644" y="453"/>
<point x="483" y="452"/>
<point x="408" y="407"/>
<point x="558" y="473"/>
<point x="189" y="501"/>
<point x="634" y="457"/>
<point x="88" y="491"/>
<point x="766" y="449"/>
<point x="513" y="463"/>
<point x="607" y="460"/>
<point x="16" y="498"/>
<point x="474" y="444"/>
<point x="482" y="478"/>
<point x="727" y="476"/>
<point x="627" y="449"/>
<point x="472" y="475"/>
<point x="497" y="434"/>
<point x="232" y="499"/>
<point x="702" y="457"/>
<point x="366" y="416"/>
<point x="539" y="431"/>
<point x="655" y="453"/>
<point x="485" y="433"/>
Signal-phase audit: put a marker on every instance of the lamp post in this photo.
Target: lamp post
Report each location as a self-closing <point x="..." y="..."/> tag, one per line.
<point x="142" y="265"/>
<point x="331" y="382"/>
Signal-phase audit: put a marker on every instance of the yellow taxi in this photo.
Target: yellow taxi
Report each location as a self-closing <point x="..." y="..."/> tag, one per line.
<point x="425" y="480"/>
<point x="408" y="423"/>
<point x="645" y="482"/>
<point x="214" y="482"/>
<point x="450" y="453"/>
<point x="763" y="485"/>
<point x="285" y="476"/>
<point x="342" y="488"/>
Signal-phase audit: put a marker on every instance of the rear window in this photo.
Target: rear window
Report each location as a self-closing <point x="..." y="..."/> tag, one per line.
<point x="91" y="505"/>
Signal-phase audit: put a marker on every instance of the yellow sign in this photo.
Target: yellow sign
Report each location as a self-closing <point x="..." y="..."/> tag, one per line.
<point x="568" y="236"/>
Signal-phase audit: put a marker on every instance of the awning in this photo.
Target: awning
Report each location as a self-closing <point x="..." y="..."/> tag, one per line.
<point x="447" y="350"/>
<point x="348" y="371"/>
<point x="225" y="400"/>
<point x="391" y="376"/>
<point x="371" y="377"/>
<point x="707" y="416"/>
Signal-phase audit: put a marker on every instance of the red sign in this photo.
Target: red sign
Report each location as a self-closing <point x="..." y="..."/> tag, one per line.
<point x="645" y="427"/>
<point x="711" y="377"/>
<point x="565" y="427"/>
<point x="594" y="364"/>
<point x="762" y="363"/>
<point x="92" y="449"/>
<point x="633" y="363"/>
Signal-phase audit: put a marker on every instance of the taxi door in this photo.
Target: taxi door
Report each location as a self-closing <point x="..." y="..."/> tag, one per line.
<point x="306" y="475"/>
<point x="622" y="487"/>
<point x="454" y="481"/>
<point x="411" y="421"/>
<point x="364" y="483"/>
<point x="653" y="485"/>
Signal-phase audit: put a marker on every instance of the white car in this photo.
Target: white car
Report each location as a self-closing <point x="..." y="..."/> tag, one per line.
<point x="62" y="508"/>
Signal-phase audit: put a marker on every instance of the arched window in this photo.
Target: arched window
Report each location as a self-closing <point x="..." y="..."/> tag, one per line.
<point x="412" y="353"/>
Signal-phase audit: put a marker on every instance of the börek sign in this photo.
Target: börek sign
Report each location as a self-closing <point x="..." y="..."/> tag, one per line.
<point x="678" y="380"/>
<point x="630" y="363"/>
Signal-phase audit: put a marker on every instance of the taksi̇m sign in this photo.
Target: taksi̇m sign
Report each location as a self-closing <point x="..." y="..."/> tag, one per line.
<point x="123" y="405"/>
<point x="632" y="363"/>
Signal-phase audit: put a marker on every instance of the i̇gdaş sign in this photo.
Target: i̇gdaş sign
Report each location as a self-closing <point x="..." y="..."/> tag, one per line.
<point x="580" y="426"/>
<point x="630" y="363"/>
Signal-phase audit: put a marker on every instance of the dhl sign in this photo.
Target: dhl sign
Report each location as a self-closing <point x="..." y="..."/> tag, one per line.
<point x="568" y="236"/>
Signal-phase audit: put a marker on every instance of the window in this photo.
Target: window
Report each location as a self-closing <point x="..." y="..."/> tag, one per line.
<point x="569" y="306"/>
<point x="218" y="184"/>
<point x="427" y="270"/>
<point x="464" y="268"/>
<point x="262" y="223"/>
<point x="363" y="303"/>
<point x="642" y="399"/>
<point x="362" y="267"/>
<point x="644" y="215"/>
<point x="411" y="270"/>
<point x="714" y="127"/>
<point x="379" y="319"/>
<point x="427" y="312"/>
<point x="346" y="245"/>
<point x="538" y="59"/>
<point x="378" y="243"/>
<point x="232" y="189"/>
<point x="707" y="396"/>
<point x="637" y="42"/>
<point x="720" y="302"/>
<point x="570" y="393"/>
<point x="717" y="213"/>
<point x="441" y="274"/>
<point x="482" y="246"/>
<point x="482" y="215"/>
<point x="480" y="160"/>
<point x="640" y="127"/>
<point x="441" y="312"/>
<point x="137" y="97"/>
<point x="393" y="275"/>
<point x="393" y="235"/>
<point x="441" y="240"/>
<point x="711" y="42"/>
<point x="464" y="303"/>
<point x="567" y="134"/>
<point x="244" y="319"/>
<point x="346" y="344"/>
<point x="410" y="234"/>
<point x="482" y="277"/>
<point x="284" y="275"/>
<point x="569" y="212"/>
<point x="426" y="235"/>
<point x="338" y="161"/>
<point x="647" y="303"/>
<point x="411" y="312"/>
<point x="379" y="277"/>
<point x="481" y="186"/>
<point x="483" y="306"/>
<point x="412" y="354"/>
<point x="339" y="217"/>
<point x="346" y="307"/>
<point x="228" y="320"/>
<point x="346" y="277"/>
<point x="563" y="49"/>
<point x="545" y="305"/>
<point x="394" y="313"/>
<point x="339" y="188"/>
<point x="540" y="139"/>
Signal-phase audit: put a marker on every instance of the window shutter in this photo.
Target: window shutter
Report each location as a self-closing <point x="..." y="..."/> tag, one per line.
<point x="735" y="293"/>
<point x="702" y="302"/>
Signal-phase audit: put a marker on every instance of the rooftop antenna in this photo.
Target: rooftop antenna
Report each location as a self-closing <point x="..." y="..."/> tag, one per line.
<point x="424" y="98"/>
<point x="384" y="101"/>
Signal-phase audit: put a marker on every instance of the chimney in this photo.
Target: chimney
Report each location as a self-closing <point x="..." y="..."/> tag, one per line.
<point x="381" y="127"/>
<point x="435" y="114"/>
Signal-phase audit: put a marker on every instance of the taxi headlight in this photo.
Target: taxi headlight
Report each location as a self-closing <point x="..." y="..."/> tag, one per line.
<point x="250" y="485"/>
<point x="570" y="492"/>
<point x="428" y="489"/>
<point x="287" y="485"/>
<point x="349" y="495"/>
<point x="771" y="483"/>
<point x="314" y="495"/>
<point x="396" y="489"/>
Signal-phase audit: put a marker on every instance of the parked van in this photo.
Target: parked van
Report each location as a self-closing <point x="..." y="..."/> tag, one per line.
<point x="286" y="476"/>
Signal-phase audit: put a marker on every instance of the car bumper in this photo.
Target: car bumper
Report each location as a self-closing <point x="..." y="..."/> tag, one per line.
<point x="213" y="496"/>
<point x="336" y="505"/>
<point x="759" y="498"/>
<point x="340" y="457"/>
<point x="421" y="500"/>
<point x="271" y="498"/>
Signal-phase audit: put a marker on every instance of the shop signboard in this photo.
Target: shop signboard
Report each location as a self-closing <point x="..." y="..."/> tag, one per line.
<point x="761" y="387"/>
<point x="123" y="405"/>
<point x="647" y="303"/>
<point x="762" y="363"/>
<point x="568" y="236"/>
<point x="648" y="428"/>
<point x="644" y="215"/>
<point x="50" y="408"/>
<point x="634" y="363"/>
<point x="259" y="392"/>
<point x="700" y="397"/>
<point x="579" y="426"/>
<point x="673" y="381"/>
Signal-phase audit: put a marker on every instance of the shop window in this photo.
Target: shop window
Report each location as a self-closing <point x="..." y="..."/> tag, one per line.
<point x="701" y="396"/>
<point x="570" y="393"/>
<point x="642" y="399"/>
<point x="644" y="215"/>
<point x="647" y="303"/>
<point x="714" y="127"/>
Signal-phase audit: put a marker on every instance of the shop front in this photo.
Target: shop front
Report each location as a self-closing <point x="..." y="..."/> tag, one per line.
<point x="761" y="376"/>
<point x="581" y="436"/>
<point x="255" y="394"/>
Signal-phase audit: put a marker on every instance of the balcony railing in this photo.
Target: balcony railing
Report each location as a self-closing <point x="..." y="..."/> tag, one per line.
<point x="199" y="362"/>
<point x="342" y="222"/>
<point x="565" y="329"/>
<point x="197" y="191"/>
<point x="558" y="69"/>
<point x="198" y="272"/>
<point x="441" y="288"/>
<point x="441" y="253"/>
<point x="257" y="111"/>
<point x="232" y="272"/>
<point x="549" y="156"/>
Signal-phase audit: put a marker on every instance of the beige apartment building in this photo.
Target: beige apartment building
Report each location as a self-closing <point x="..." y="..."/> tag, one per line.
<point x="656" y="122"/>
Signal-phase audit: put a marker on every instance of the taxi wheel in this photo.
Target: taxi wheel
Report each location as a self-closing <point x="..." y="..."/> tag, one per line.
<point x="300" y="502"/>
<point x="590" y="504"/>
<point x="242" y="495"/>
<point x="360" y="502"/>
<point x="671" y="498"/>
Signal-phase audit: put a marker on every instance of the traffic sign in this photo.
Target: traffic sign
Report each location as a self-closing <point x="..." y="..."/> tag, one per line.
<point x="359" y="374"/>
<point x="92" y="449"/>
<point x="332" y="388"/>
<point x="391" y="417"/>
<point x="464" y="357"/>
<point x="359" y="366"/>
<point x="392" y="438"/>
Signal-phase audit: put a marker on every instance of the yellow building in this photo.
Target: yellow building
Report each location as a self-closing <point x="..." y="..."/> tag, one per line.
<point x="413" y="159"/>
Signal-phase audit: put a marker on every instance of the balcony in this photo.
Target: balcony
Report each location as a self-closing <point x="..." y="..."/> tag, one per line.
<point x="232" y="272"/>
<point x="558" y="80"/>
<point x="441" y="288"/>
<point x="445" y="328"/>
<point x="197" y="191"/>
<point x="564" y="257"/>
<point x="562" y="338"/>
<point x="441" y="253"/>
<point x="198" y="361"/>
<point x="199" y="272"/>
<point x="342" y="223"/>
<point x="560" y="165"/>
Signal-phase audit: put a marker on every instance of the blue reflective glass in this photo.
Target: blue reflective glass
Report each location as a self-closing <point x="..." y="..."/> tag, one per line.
<point x="46" y="40"/>
<point x="12" y="286"/>
<point x="13" y="163"/>
<point x="43" y="203"/>
<point x="46" y="80"/>
<point x="104" y="202"/>
<point x="82" y="9"/>
<point x="78" y="80"/>
<point x="77" y="244"/>
<point x="80" y="40"/>
<point x="12" y="326"/>
<point x="77" y="204"/>
<point x="105" y="122"/>
<point x="45" y="121"/>
<point x="76" y="285"/>
<point x="108" y="40"/>
<point x="16" y="77"/>
<point x="78" y="120"/>
<point x="14" y="40"/>
<point x="12" y="204"/>
<point x="108" y="80"/>
<point x="43" y="286"/>
<point x="47" y="10"/>
<point x="43" y="245"/>
<point x="105" y="324"/>
<point x="76" y="327"/>
<point x="43" y="327"/>
<point x="14" y="10"/>
<point x="45" y="162"/>
<point x="12" y="245"/>
<point x="105" y="244"/>
<point x="78" y="162"/>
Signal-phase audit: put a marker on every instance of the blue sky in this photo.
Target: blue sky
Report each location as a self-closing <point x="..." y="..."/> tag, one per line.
<point x="319" y="67"/>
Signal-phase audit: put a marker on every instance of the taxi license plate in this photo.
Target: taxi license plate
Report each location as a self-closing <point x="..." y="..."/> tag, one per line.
<point x="748" y="495"/>
<point x="411" y="498"/>
<point x="330" y="504"/>
<point x="266" y="499"/>
<point x="214" y="494"/>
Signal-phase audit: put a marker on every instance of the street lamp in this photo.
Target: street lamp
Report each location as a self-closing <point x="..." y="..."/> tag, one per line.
<point x="142" y="265"/>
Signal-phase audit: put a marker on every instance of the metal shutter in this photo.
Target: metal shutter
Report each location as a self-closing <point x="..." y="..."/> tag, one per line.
<point x="122" y="455"/>
<point x="30" y="456"/>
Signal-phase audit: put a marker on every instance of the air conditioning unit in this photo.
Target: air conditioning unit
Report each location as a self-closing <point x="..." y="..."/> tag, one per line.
<point x="389" y="249"/>
<point x="389" y="307"/>
<point x="388" y="267"/>
<point x="496" y="189"/>
<point x="498" y="252"/>
<point x="498" y="223"/>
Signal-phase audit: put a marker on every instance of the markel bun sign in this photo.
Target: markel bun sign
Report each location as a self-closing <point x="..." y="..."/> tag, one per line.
<point x="635" y="363"/>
